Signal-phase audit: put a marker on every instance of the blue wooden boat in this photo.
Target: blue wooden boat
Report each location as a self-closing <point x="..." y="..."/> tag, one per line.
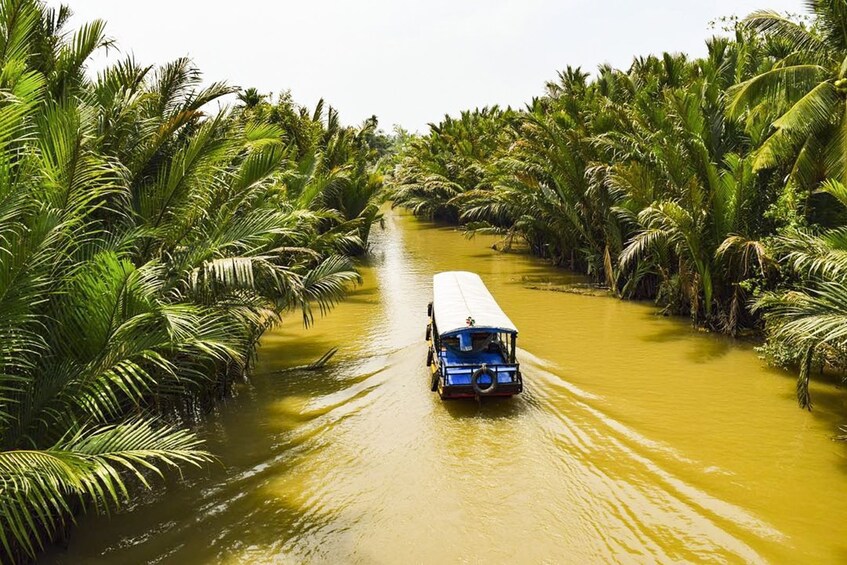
<point x="471" y="340"/>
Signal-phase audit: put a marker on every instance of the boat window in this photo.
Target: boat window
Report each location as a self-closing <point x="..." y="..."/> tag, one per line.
<point x="451" y="342"/>
<point x="482" y="340"/>
<point x="465" y="342"/>
<point x="474" y="342"/>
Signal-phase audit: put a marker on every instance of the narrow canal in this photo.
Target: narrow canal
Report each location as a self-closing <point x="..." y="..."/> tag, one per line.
<point x="637" y="440"/>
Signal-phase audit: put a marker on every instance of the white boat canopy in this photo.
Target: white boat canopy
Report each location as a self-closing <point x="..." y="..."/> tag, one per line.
<point x="460" y="301"/>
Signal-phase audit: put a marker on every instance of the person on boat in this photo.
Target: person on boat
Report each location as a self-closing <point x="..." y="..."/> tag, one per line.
<point x="479" y="341"/>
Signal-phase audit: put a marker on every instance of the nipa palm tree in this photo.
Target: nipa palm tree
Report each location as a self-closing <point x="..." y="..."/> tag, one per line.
<point x="800" y="96"/>
<point x="810" y="318"/>
<point x="144" y="248"/>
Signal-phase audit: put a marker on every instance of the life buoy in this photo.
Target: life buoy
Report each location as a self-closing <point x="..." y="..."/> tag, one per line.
<point x="479" y="389"/>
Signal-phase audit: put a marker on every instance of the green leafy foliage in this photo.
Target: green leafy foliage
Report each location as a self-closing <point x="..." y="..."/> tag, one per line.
<point x="710" y="185"/>
<point x="146" y="244"/>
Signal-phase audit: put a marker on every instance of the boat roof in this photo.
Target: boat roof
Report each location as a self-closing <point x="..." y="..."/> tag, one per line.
<point x="459" y="295"/>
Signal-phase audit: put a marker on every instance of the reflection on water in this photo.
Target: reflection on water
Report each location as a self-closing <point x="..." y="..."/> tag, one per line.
<point x="637" y="440"/>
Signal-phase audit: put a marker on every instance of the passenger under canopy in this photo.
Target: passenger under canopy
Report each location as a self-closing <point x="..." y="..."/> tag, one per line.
<point x="463" y="302"/>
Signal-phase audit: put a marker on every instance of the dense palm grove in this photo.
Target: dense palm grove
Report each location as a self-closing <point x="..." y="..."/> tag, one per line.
<point x="150" y="234"/>
<point x="147" y="240"/>
<point x="715" y="186"/>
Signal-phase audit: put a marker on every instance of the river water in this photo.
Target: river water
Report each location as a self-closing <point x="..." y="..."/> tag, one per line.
<point x="637" y="440"/>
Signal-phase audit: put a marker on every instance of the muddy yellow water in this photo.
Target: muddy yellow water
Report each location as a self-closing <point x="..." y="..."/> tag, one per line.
<point x="637" y="440"/>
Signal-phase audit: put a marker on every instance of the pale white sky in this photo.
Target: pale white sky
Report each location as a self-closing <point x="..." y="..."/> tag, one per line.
<point x="408" y="62"/>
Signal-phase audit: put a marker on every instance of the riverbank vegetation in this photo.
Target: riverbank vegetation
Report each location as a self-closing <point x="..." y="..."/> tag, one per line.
<point x="148" y="237"/>
<point x="153" y="226"/>
<point x="714" y="186"/>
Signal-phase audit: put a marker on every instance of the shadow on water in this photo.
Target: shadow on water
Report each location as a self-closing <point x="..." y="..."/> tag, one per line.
<point x="336" y="377"/>
<point x="295" y="356"/>
<point x="707" y="348"/>
<point x="251" y="503"/>
<point x="363" y="296"/>
<point x="673" y="328"/>
<point x="540" y="275"/>
<point x="829" y="403"/>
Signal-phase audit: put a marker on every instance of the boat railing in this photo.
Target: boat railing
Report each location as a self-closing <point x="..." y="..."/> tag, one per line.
<point x="513" y="368"/>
